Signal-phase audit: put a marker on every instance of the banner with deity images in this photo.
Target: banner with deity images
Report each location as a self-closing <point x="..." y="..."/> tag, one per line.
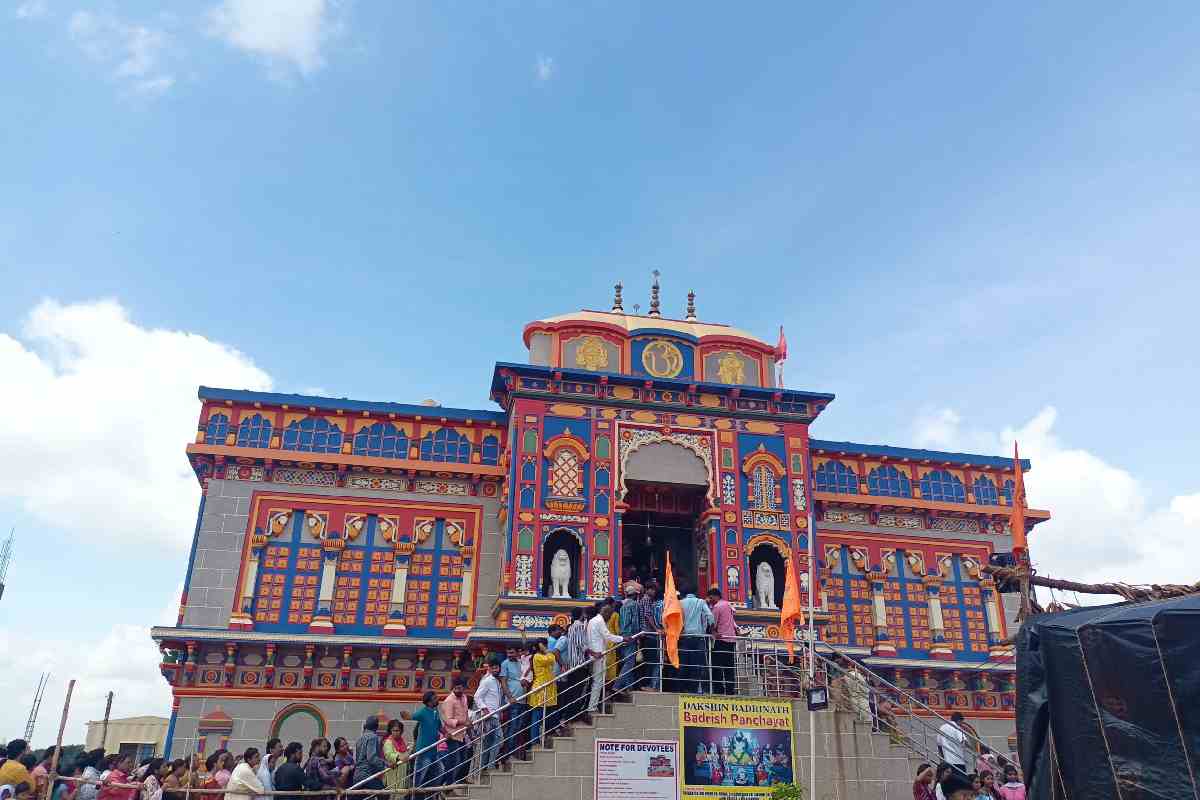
<point x="734" y="747"/>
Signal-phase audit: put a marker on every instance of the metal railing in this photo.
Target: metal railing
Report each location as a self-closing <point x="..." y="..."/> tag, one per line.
<point x="744" y="667"/>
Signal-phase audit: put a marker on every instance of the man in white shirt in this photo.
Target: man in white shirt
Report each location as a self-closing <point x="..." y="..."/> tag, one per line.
<point x="952" y="742"/>
<point x="599" y="640"/>
<point x="487" y="700"/>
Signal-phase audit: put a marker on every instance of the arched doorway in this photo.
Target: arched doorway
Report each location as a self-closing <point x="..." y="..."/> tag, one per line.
<point x="667" y="488"/>
<point x="568" y="542"/>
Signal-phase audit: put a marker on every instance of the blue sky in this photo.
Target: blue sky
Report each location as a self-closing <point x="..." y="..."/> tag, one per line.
<point x="972" y="222"/>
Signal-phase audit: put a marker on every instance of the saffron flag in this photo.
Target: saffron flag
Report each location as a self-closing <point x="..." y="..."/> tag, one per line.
<point x="672" y="616"/>
<point x="791" y="612"/>
<point x="1016" y="519"/>
<point x="781" y="348"/>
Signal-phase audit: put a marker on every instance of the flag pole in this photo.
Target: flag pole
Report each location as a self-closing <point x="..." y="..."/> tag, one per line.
<point x="812" y="632"/>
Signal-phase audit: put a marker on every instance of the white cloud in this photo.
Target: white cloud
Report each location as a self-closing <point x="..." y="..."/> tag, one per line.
<point x="284" y="32"/>
<point x="31" y="9"/>
<point x="544" y="69"/>
<point x="123" y="660"/>
<point x="135" y="52"/>
<point x="1102" y="527"/>
<point x="94" y="417"/>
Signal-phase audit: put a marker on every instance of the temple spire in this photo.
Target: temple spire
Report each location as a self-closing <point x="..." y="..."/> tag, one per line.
<point x="654" y="312"/>
<point x="617" y="298"/>
<point x="691" y="307"/>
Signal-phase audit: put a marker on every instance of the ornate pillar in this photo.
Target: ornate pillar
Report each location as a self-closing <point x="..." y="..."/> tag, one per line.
<point x="309" y="649"/>
<point x="381" y="682"/>
<point x="937" y="627"/>
<point x="467" y="550"/>
<point x="189" y="665"/>
<point x="883" y="644"/>
<point x="997" y="651"/>
<point x="269" y="669"/>
<point x="395" y="625"/>
<point x="322" y="621"/>
<point x="230" y="663"/>
<point x="344" y="672"/>
<point x="242" y="618"/>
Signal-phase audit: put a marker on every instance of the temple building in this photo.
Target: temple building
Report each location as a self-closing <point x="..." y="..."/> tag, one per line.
<point x="350" y="554"/>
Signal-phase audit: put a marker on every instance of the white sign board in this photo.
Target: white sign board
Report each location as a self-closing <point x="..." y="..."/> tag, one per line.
<point x="637" y="769"/>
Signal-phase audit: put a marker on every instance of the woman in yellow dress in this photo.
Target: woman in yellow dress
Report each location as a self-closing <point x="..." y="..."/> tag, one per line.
<point x="395" y="755"/>
<point x="610" y="660"/>
<point x="545" y="691"/>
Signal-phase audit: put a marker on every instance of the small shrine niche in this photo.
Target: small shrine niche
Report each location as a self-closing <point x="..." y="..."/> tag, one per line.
<point x="768" y="572"/>
<point x="561" y="556"/>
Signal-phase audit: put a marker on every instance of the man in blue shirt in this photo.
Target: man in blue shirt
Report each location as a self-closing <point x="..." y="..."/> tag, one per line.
<point x="516" y="729"/>
<point x="693" y="643"/>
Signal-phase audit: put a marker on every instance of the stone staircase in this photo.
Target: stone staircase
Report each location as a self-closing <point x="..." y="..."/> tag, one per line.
<point x="852" y="762"/>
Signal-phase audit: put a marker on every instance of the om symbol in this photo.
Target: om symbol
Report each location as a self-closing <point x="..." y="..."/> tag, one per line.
<point x="662" y="359"/>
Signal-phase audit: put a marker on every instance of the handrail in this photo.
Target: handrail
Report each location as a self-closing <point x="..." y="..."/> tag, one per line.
<point x="586" y="664"/>
<point x="901" y="693"/>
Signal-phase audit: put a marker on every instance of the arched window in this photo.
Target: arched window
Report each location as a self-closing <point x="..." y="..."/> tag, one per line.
<point x="834" y="476"/>
<point x="1007" y="491"/>
<point x="218" y="426"/>
<point x="381" y="439"/>
<point x="766" y="489"/>
<point x="887" y="481"/>
<point x="528" y="471"/>
<point x="446" y="444"/>
<point x="939" y="484"/>
<point x="602" y="477"/>
<point x="254" y="431"/>
<point x="526" y="497"/>
<point x="489" y="450"/>
<point x="566" y="476"/>
<point x="313" y="435"/>
<point x="985" y="492"/>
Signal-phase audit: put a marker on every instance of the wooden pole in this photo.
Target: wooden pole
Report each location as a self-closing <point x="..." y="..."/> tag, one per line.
<point x="107" y="711"/>
<point x="62" y="726"/>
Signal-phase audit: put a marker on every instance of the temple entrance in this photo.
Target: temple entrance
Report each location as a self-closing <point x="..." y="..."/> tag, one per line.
<point x="662" y="518"/>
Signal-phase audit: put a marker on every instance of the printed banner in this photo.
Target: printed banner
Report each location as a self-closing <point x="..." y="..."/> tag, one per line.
<point x="636" y="769"/>
<point x="734" y="747"/>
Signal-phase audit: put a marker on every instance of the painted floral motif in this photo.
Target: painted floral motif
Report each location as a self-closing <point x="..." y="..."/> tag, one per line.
<point x="955" y="525"/>
<point x="845" y="515"/>
<point x="728" y="490"/>
<point x="453" y="488"/>
<point x="531" y="621"/>
<point x="600" y="575"/>
<point x="386" y="484"/>
<point x="799" y="497"/>
<point x="524" y="575"/>
<point x="906" y="521"/>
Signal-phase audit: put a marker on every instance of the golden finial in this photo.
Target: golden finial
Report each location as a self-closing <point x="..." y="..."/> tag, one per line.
<point x="654" y="312"/>
<point x="691" y="306"/>
<point x="617" y="298"/>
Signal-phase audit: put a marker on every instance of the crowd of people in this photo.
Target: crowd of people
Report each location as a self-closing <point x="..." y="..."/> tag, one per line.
<point x="948" y="782"/>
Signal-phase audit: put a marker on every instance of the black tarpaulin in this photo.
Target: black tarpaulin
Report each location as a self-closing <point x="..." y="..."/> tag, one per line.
<point x="1108" y="701"/>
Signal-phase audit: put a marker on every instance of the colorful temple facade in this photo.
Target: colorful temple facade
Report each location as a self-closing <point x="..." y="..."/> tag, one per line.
<point x="349" y="555"/>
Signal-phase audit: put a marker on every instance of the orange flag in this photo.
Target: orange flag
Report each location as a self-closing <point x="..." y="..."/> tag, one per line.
<point x="1016" y="519"/>
<point x="672" y="616"/>
<point x="791" y="612"/>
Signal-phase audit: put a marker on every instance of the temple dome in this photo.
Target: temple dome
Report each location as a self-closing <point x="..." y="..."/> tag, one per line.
<point x="632" y="323"/>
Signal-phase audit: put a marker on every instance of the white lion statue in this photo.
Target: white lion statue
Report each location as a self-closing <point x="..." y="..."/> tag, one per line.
<point x="764" y="586"/>
<point x="560" y="575"/>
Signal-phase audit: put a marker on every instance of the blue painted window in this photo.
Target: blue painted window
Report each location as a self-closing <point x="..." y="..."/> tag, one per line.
<point x="526" y="497"/>
<point x="313" y="435"/>
<point x="382" y="440"/>
<point x="602" y="477"/>
<point x="602" y="503"/>
<point x="985" y="492"/>
<point x="834" y="476"/>
<point x="940" y="485"/>
<point x="446" y="444"/>
<point x="489" y="451"/>
<point x="1007" y="491"/>
<point x="254" y="431"/>
<point x="528" y="471"/>
<point x="887" y="481"/>
<point x="218" y="426"/>
<point x="906" y="608"/>
<point x="963" y="614"/>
